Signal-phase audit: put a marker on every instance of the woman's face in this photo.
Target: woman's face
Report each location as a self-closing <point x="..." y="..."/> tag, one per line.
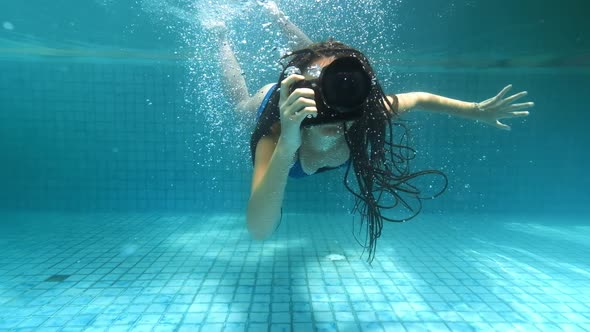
<point x="315" y="67"/>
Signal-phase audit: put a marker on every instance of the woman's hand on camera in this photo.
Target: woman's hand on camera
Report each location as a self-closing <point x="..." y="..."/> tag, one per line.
<point x="294" y="108"/>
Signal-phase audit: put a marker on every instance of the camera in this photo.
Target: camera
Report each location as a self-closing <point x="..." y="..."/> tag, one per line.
<point x="341" y="89"/>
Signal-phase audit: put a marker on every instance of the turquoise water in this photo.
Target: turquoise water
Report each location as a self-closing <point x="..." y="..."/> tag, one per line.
<point x="125" y="174"/>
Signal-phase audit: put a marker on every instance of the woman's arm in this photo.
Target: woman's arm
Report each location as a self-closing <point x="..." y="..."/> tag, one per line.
<point x="271" y="169"/>
<point x="274" y="156"/>
<point x="490" y="111"/>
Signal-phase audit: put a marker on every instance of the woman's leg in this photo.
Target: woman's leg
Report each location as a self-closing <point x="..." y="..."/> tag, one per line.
<point x="233" y="77"/>
<point x="297" y="39"/>
<point x="234" y="81"/>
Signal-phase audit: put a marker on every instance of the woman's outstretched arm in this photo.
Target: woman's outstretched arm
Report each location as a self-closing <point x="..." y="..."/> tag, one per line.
<point x="489" y="111"/>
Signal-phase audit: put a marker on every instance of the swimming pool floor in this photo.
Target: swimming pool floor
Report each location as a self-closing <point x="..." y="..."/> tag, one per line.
<point x="165" y="272"/>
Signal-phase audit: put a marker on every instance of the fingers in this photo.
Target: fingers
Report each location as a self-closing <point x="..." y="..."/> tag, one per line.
<point x="286" y="85"/>
<point x="511" y="115"/>
<point x="503" y="92"/>
<point x="505" y="105"/>
<point x="512" y="109"/>
<point x="287" y="99"/>
<point x="498" y="98"/>
<point x="514" y="97"/>
<point x="502" y="126"/>
<point x="306" y="112"/>
<point x="298" y="94"/>
<point x="299" y="105"/>
<point x="518" y="107"/>
<point x="519" y="114"/>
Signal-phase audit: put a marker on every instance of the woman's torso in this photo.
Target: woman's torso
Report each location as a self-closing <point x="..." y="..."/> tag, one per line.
<point x="308" y="163"/>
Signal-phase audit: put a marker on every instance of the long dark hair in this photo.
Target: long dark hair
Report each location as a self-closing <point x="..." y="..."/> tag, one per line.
<point x="381" y="167"/>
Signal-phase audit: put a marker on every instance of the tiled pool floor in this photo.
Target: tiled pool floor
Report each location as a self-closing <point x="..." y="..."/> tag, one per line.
<point x="162" y="272"/>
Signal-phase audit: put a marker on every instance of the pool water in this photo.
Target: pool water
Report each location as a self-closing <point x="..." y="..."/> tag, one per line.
<point x="125" y="173"/>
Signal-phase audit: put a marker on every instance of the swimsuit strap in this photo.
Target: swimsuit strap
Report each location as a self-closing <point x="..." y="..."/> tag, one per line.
<point x="297" y="172"/>
<point x="265" y="100"/>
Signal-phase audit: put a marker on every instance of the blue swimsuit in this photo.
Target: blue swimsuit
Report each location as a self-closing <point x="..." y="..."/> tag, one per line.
<point x="296" y="170"/>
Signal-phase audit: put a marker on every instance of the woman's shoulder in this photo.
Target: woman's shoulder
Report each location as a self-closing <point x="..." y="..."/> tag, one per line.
<point x="273" y="137"/>
<point x="393" y="101"/>
<point x="267" y="87"/>
<point x="274" y="132"/>
<point x="265" y="147"/>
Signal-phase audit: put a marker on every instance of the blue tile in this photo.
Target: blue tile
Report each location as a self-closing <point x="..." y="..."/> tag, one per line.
<point x="259" y="317"/>
<point x="344" y="316"/>
<point x="283" y="288"/>
<point x="302" y="327"/>
<point x="213" y="327"/>
<point x="362" y="306"/>
<point x="82" y="320"/>
<point x="386" y="316"/>
<point x="148" y="319"/>
<point x="280" y="307"/>
<point x="57" y="321"/>
<point x="321" y="306"/>
<point x="381" y="306"/>
<point x="113" y="308"/>
<point x="428" y="316"/>
<point x="137" y="308"/>
<point x="156" y="308"/>
<point x="237" y="317"/>
<point x="172" y="328"/>
<point x="301" y="306"/>
<point x="118" y="328"/>
<point x="461" y="327"/>
<point x="326" y="327"/>
<point x="199" y="307"/>
<point x="127" y="319"/>
<point x="32" y="322"/>
<point x="48" y="310"/>
<point x="556" y="328"/>
<point x="216" y="318"/>
<point x="260" y="307"/>
<point x="187" y="328"/>
<point x="302" y="317"/>
<point x="258" y="327"/>
<point x="371" y="326"/>
<point x="171" y="319"/>
<point x="323" y="316"/>
<point x="280" y="317"/>
<point x="234" y="327"/>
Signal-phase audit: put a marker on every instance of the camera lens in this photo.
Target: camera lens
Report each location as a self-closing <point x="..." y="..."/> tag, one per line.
<point x="345" y="84"/>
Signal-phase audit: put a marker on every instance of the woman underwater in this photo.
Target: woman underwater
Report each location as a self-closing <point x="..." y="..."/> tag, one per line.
<point x="327" y="111"/>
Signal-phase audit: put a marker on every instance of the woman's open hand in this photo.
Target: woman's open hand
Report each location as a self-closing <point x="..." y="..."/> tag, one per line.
<point x="492" y="110"/>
